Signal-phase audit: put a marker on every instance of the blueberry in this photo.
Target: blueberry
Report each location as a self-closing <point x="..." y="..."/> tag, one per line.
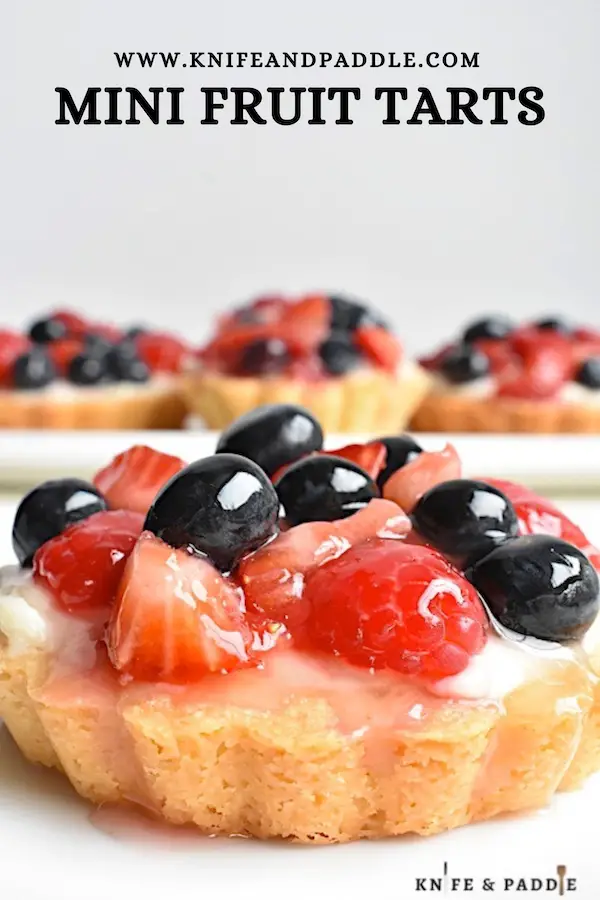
<point x="123" y="363"/>
<point x="223" y="506"/>
<point x="273" y="435"/>
<point x="491" y="328"/>
<point x="46" y="330"/>
<point x="588" y="373"/>
<point x="540" y="586"/>
<point x="323" y="488"/>
<point x="348" y="315"/>
<point x="264" y="357"/>
<point x="135" y="331"/>
<point x="401" y="449"/>
<point x="88" y="369"/>
<point x="465" y="519"/>
<point x="97" y="344"/>
<point x="553" y="323"/>
<point x="339" y="354"/>
<point x="463" y="364"/>
<point x="33" y="369"/>
<point x="48" y="509"/>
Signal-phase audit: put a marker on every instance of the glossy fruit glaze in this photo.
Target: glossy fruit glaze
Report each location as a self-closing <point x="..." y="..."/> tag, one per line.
<point x="63" y="346"/>
<point x="317" y="336"/>
<point x="533" y="361"/>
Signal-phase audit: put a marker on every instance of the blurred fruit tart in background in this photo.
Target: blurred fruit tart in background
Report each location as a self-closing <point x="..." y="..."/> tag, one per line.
<point x="278" y="641"/>
<point x="66" y="372"/>
<point x="334" y="356"/>
<point x="498" y="377"/>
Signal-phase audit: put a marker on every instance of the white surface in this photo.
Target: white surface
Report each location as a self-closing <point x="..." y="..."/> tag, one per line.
<point x="538" y="460"/>
<point x="51" y="850"/>
<point x="170" y="223"/>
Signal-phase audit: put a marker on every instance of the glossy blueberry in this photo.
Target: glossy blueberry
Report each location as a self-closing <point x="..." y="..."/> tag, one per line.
<point x="223" y="506"/>
<point x="339" y="354"/>
<point x="464" y="518"/>
<point x="463" y="364"/>
<point x="264" y="357"/>
<point x="540" y="586"/>
<point x="348" y="315"/>
<point x="123" y="363"/>
<point x="553" y="323"/>
<point x="135" y="331"/>
<point x="490" y="328"/>
<point x="33" y="369"/>
<point x="88" y="369"/>
<point x="46" y="330"/>
<point x="323" y="488"/>
<point x="97" y="344"/>
<point x="588" y="373"/>
<point x="50" y="508"/>
<point x="273" y="435"/>
<point x="401" y="449"/>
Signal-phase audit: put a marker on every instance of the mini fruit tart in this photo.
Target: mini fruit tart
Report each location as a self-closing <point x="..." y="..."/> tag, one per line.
<point x="540" y="377"/>
<point x="275" y="641"/>
<point x="68" y="373"/>
<point x="332" y="355"/>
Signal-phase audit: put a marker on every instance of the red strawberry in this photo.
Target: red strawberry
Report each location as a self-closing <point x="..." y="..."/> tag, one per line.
<point x="12" y="345"/>
<point x="500" y="354"/>
<point x="545" y="368"/>
<point x="62" y="352"/>
<point x="162" y="352"/>
<point x="388" y="604"/>
<point x="133" y="478"/>
<point x="433" y="361"/>
<point x="408" y="484"/>
<point x="370" y="457"/>
<point x="76" y="326"/>
<point x="82" y="566"/>
<point x="273" y="578"/>
<point x="381" y="347"/>
<point x="175" y="618"/>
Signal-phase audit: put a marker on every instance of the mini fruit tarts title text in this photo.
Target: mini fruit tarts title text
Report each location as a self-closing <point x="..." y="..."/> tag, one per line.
<point x="292" y="105"/>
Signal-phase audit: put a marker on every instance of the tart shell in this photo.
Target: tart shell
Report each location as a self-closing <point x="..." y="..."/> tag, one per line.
<point x="452" y="412"/>
<point x="293" y="771"/>
<point x="366" y="402"/>
<point x="150" y="407"/>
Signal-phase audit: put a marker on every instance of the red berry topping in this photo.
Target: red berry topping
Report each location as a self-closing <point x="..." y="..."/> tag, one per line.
<point x="546" y="364"/>
<point x="408" y="484"/>
<point x="175" y="618"/>
<point x="273" y="578"/>
<point x="133" y="478"/>
<point x="63" y="352"/>
<point x="387" y="604"/>
<point x="82" y="566"/>
<point x="370" y="457"/>
<point x="12" y="345"/>
<point x="76" y="326"/>
<point x="380" y="347"/>
<point x="162" y="352"/>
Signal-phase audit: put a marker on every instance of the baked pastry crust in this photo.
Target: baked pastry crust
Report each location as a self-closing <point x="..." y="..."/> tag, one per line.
<point x="453" y="412"/>
<point x="151" y="407"/>
<point x="295" y="771"/>
<point x="372" y="400"/>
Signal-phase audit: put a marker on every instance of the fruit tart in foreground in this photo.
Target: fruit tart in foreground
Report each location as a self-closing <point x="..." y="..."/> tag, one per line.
<point x="69" y="373"/>
<point x="278" y="641"/>
<point x="332" y="355"/>
<point x="541" y="377"/>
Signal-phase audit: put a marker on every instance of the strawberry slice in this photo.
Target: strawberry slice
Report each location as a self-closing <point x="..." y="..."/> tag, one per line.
<point x="76" y="326"/>
<point x="381" y="347"/>
<point x="306" y="322"/>
<point x="133" y="478"/>
<point x="546" y="365"/>
<point x="408" y="484"/>
<point x="62" y="352"/>
<point x="370" y="457"/>
<point x="500" y="354"/>
<point x="273" y="578"/>
<point x="12" y="345"/>
<point x="162" y="352"/>
<point x="175" y="618"/>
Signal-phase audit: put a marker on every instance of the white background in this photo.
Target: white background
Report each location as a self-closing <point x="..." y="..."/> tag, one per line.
<point x="168" y="223"/>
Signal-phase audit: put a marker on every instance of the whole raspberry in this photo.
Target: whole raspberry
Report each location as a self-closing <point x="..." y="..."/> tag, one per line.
<point x="387" y="604"/>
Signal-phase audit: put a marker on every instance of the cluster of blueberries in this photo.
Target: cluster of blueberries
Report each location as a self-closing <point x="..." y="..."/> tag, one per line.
<point x="230" y="503"/>
<point x="338" y="352"/>
<point x="100" y="361"/>
<point x="465" y="363"/>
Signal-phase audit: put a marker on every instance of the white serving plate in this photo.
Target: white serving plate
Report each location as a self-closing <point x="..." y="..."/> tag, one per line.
<point x="54" y="847"/>
<point x="562" y="461"/>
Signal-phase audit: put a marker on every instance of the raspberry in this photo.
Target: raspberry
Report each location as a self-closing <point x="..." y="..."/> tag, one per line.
<point x="82" y="567"/>
<point x="386" y="604"/>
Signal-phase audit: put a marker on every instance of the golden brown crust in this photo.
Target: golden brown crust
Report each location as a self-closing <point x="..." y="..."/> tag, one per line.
<point x="362" y="403"/>
<point x="454" y="412"/>
<point x="147" y="407"/>
<point x="293" y="772"/>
